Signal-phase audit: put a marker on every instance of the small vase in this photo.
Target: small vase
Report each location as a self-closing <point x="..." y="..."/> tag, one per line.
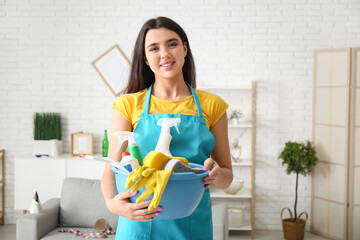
<point x="235" y="151"/>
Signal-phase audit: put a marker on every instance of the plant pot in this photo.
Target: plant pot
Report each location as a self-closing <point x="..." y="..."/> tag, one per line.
<point x="41" y="147"/>
<point x="234" y="121"/>
<point x="293" y="230"/>
<point x="47" y="147"/>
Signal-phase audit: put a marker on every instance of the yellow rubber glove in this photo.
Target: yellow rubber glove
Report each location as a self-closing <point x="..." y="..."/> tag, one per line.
<point x="156" y="184"/>
<point x="146" y="176"/>
<point x="161" y="182"/>
<point x="149" y="187"/>
<point x="135" y="176"/>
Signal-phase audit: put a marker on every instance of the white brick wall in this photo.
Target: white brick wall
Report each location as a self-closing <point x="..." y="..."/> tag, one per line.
<point x="46" y="47"/>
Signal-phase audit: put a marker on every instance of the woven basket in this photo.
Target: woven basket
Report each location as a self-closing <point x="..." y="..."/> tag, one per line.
<point x="293" y="230"/>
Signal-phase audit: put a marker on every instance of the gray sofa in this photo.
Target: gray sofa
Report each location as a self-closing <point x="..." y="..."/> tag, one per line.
<point x="80" y="206"/>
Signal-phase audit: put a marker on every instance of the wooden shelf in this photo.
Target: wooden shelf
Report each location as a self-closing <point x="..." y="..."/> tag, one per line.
<point x="242" y="164"/>
<point x="240" y="126"/>
<point x="2" y="182"/>
<point x="245" y="194"/>
<point x="242" y="194"/>
<point x="245" y="227"/>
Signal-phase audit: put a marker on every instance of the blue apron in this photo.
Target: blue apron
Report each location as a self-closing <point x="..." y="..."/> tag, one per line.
<point x="195" y="143"/>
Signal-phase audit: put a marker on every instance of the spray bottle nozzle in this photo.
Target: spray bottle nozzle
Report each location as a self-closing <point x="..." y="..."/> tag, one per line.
<point x="163" y="144"/>
<point x="124" y="136"/>
<point x="169" y="122"/>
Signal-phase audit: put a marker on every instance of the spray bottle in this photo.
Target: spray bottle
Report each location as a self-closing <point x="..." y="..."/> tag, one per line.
<point x="163" y="144"/>
<point x="133" y="147"/>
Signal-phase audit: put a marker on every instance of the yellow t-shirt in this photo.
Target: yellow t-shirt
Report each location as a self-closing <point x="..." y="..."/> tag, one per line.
<point x="131" y="106"/>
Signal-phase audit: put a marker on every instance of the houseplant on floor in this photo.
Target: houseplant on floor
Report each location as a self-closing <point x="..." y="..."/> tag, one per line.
<point x="47" y="134"/>
<point x="299" y="158"/>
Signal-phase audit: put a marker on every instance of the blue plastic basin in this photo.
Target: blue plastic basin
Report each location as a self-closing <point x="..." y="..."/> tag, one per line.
<point x="181" y="196"/>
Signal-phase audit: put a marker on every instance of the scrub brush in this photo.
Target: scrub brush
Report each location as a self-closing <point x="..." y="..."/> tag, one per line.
<point x="177" y="166"/>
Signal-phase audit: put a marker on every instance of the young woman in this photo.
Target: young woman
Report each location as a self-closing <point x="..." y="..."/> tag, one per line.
<point x="161" y="81"/>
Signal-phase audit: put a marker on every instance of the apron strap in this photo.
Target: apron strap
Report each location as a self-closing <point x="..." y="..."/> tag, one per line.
<point x="197" y="102"/>
<point x="147" y="101"/>
<point x="196" y="99"/>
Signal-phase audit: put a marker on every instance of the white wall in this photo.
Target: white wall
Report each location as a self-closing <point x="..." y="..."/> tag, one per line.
<point x="46" y="47"/>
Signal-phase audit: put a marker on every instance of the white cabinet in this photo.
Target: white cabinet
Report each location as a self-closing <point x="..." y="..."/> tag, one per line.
<point x="240" y="98"/>
<point x="84" y="168"/>
<point x="46" y="174"/>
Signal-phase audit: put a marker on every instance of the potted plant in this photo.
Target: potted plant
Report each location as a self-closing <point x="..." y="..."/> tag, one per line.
<point x="47" y="134"/>
<point x="235" y="116"/>
<point x="299" y="158"/>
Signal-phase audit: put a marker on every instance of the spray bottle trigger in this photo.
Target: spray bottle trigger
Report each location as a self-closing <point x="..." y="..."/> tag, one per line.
<point x="124" y="136"/>
<point x="177" y="129"/>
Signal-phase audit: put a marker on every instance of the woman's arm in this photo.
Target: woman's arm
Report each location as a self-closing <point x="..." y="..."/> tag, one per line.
<point x="119" y="203"/>
<point x="221" y="174"/>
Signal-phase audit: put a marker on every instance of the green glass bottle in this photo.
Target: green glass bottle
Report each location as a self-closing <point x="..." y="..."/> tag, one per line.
<point x="105" y="145"/>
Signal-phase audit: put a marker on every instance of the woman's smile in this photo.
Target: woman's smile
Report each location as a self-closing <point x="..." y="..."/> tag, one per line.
<point x="167" y="65"/>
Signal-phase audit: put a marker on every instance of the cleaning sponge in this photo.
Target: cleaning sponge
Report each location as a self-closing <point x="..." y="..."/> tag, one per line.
<point x="177" y="166"/>
<point x="156" y="160"/>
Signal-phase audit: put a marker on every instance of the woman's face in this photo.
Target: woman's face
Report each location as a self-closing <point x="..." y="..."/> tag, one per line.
<point x="165" y="53"/>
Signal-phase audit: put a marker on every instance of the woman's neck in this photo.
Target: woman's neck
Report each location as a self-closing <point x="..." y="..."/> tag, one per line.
<point x="171" y="90"/>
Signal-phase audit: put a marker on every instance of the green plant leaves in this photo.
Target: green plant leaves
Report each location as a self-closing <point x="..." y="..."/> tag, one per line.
<point x="299" y="157"/>
<point x="47" y="126"/>
<point x="236" y="114"/>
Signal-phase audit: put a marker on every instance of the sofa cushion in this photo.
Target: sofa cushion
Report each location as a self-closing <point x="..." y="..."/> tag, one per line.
<point x="82" y="204"/>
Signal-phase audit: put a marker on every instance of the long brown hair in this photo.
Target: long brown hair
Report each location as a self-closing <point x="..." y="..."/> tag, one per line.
<point x="141" y="76"/>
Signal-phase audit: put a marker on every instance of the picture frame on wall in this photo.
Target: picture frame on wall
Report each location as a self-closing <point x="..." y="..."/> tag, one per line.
<point x="114" y="68"/>
<point x="81" y="143"/>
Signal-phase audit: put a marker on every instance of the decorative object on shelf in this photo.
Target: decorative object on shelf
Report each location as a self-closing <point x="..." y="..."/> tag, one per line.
<point x="105" y="145"/>
<point x="300" y="158"/>
<point x="81" y="143"/>
<point x="234" y="187"/>
<point x="114" y="68"/>
<point x="236" y="216"/>
<point x="47" y="134"/>
<point x="235" y="116"/>
<point x="235" y="151"/>
<point x="35" y="206"/>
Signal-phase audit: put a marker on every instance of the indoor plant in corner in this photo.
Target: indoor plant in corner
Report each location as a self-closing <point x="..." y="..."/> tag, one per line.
<point x="47" y="134"/>
<point x="299" y="158"/>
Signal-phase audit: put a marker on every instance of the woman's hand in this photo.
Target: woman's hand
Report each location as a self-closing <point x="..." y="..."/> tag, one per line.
<point x="215" y="171"/>
<point x="121" y="205"/>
